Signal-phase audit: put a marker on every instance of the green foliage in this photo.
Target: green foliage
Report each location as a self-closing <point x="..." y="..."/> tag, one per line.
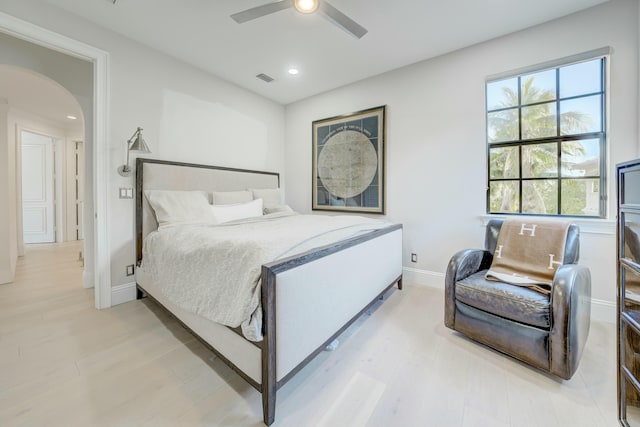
<point x="503" y="196"/>
<point x="539" y="160"/>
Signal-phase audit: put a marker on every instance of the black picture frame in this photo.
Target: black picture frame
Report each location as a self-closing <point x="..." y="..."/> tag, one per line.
<point x="348" y="163"/>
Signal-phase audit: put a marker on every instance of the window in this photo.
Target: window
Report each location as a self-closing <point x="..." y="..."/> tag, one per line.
<point x="546" y="141"/>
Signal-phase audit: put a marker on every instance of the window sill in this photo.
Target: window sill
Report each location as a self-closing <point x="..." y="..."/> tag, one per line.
<point x="587" y="225"/>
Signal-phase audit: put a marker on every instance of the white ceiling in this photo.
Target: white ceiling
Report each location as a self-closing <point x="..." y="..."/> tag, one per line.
<point x="401" y="32"/>
<point x="31" y="92"/>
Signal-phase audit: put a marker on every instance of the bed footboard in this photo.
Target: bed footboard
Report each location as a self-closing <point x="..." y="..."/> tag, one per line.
<point x="324" y="291"/>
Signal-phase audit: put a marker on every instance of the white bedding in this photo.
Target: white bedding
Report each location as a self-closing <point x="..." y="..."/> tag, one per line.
<point x="214" y="270"/>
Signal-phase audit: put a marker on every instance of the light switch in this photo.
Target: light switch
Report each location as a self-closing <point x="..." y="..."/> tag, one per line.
<point x="126" y="193"/>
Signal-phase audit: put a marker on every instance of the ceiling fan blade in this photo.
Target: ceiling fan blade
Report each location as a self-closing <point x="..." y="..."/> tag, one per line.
<point x="258" y="11"/>
<point x="342" y="20"/>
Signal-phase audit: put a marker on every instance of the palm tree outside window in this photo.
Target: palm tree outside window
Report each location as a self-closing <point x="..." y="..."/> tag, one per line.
<point x="546" y="141"/>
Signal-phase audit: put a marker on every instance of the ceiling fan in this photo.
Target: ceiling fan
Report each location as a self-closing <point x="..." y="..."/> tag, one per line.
<point x="304" y="6"/>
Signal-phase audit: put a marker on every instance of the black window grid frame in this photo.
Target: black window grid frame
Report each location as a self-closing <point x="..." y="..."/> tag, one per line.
<point x="557" y="139"/>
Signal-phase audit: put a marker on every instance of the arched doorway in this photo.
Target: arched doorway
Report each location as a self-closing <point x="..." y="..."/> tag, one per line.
<point x="47" y="124"/>
<point x="97" y="251"/>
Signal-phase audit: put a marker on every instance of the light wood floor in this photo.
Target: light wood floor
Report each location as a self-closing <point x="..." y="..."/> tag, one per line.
<point x="63" y="363"/>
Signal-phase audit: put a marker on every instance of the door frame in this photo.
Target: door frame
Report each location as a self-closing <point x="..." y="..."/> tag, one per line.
<point x="32" y="33"/>
<point x="73" y="176"/>
<point x="60" y="152"/>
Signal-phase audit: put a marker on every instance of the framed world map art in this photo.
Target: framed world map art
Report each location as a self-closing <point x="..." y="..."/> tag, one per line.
<point x="348" y="162"/>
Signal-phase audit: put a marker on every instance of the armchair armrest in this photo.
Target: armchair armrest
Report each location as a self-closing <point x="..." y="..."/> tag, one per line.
<point x="571" y="313"/>
<point x="463" y="264"/>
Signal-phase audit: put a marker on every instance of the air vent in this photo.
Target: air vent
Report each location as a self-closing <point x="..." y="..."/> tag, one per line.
<point x="265" y="78"/>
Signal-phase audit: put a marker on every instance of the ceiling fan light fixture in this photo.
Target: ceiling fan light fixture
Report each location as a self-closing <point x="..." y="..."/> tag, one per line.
<point x="305" y="6"/>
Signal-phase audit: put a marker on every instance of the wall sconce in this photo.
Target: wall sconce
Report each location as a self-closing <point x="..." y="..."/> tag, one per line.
<point x="135" y="144"/>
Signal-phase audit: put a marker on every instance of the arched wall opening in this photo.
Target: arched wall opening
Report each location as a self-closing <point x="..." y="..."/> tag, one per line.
<point x="83" y="71"/>
<point x="45" y="121"/>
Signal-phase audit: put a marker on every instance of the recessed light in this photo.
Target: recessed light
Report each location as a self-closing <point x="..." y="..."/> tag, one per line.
<point x="70" y="117"/>
<point x="293" y="71"/>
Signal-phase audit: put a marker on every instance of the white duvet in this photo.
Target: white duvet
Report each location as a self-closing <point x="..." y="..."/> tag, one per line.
<point x="214" y="270"/>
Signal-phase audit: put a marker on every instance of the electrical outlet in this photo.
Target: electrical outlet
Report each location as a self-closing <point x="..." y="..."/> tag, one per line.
<point x="130" y="270"/>
<point x="414" y="257"/>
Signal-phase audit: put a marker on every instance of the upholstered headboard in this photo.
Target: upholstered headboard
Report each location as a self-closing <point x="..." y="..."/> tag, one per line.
<point x="152" y="174"/>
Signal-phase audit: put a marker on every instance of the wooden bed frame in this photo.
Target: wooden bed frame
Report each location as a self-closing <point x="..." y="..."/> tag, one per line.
<point x="350" y="276"/>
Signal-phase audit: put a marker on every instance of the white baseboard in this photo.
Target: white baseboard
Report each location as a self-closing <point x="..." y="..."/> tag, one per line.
<point x="87" y="279"/>
<point x="123" y="293"/>
<point x="415" y="276"/>
<point x="601" y="310"/>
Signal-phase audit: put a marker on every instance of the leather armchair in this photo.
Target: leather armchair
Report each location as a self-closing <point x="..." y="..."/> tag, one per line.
<point x="546" y="331"/>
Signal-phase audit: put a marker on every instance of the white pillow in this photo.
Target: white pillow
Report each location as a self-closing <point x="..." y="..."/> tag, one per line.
<point x="226" y="213"/>
<point x="180" y="207"/>
<point x="231" y="197"/>
<point x="271" y="196"/>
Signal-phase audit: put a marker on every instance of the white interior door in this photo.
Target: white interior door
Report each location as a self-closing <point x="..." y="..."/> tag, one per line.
<point x="74" y="225"/>
<point x="38" y="210"/>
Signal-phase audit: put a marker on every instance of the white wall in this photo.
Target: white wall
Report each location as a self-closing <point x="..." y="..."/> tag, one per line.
<point x="436" y="146"/>
<point x="8" y="246"/>
<point x="187" y="115"/>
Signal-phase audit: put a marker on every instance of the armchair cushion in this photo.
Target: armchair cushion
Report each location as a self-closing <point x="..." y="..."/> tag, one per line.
<point x="513" y="302"/>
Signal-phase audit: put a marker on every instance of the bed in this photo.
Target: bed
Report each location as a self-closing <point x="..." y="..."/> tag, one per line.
<point x="307" y="299"/>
